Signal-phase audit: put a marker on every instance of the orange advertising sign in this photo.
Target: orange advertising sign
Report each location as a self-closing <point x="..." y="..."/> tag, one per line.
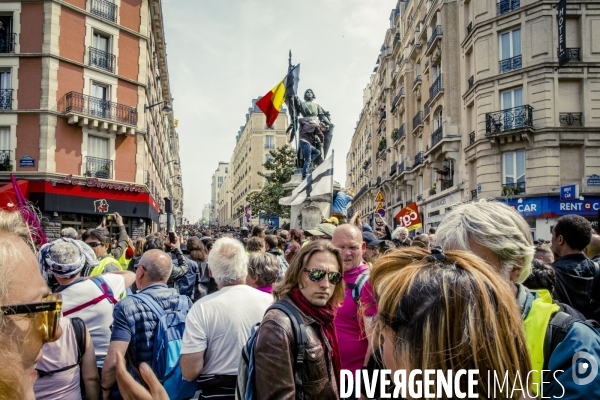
<point x="409" y="217"/>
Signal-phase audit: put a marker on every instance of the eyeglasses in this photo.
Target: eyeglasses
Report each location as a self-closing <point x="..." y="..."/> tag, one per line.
<point x="94" y="244"/>
<point x="317" y="275"/>
<point x="49" y="308"/>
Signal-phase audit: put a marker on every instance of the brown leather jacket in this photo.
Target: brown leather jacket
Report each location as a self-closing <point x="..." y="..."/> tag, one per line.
<point x="274" y="358"/>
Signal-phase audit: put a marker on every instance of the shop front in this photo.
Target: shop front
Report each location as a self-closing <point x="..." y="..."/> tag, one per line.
<point x="85" y="203"/>
<point x="434" y="212"/>
<point x="542" y="212"/>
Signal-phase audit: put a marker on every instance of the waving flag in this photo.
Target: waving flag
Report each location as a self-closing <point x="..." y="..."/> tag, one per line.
<point x="318" y="182"/>
<point x="409" y="217"/>
<point x="271" y="103"/>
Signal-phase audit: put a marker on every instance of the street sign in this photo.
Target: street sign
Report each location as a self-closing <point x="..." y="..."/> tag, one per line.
<point x="381" y="212"/>
<point x="27" y="161"/>
<point x="379" y="208"/>
<point x="379" y="222"/>
<point x="569" y="192"/>
<point x="593" y="180"/>
<point x="380" y="198"/>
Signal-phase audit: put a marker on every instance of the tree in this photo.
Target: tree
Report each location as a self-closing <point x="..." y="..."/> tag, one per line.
<point x="281" y="166"/>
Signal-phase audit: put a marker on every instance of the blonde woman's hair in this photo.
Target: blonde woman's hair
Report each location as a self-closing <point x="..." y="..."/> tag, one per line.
<point x="292" y="275"/>
<point x="450" y="314"/>
<point x="492" y="225"/>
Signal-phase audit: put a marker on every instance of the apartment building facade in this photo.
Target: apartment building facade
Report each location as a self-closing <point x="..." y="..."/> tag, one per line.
<point x="85" y="119"/>
<point x="254" y="141"/>
<point x="476" y="109"/>
<point x="218" y="178"/>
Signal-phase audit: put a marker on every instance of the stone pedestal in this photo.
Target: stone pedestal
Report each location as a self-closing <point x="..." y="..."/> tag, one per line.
<point x="309" y="213"/>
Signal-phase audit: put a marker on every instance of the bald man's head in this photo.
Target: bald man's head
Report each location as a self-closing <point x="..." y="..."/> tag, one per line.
<point x="157" y="265"/>
<point x="348" y="238"/>
<point x="593" y="249"/>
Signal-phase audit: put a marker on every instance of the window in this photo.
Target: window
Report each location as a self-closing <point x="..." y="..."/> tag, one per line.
<point x="510" y="102"/>
<point x="100" y="55"/>
<point x="98" y="163"/>
<point x="4" y="149"/>
<point x="97" y="147"/>
<point x="226" y="170"/>
<point x="269" y="142"/>
<point x="268" y="157"/>
<point x="100" y="104"/>
<point x="513" y="172"/>
<point x="510" y="51"/>
<point x="5" y="90"/>
<point x="220" y="181"/>
<point x="448" y="174"/>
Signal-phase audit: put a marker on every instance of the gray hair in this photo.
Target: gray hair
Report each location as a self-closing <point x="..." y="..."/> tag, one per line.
<point x="398" y="231"/>
<point x="492" y="225"/>
<point x="65" y="253"/>
<point x="265" y="266"/>
<point x="157" y="264"/>
<point x="228" y="261"/>
<point x="69" y="233"/>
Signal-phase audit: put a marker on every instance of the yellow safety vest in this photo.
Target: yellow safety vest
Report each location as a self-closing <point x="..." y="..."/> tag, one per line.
<point x="123" y="261"/>
<point x="99" y="269"/>
<point x="535" y="325"/>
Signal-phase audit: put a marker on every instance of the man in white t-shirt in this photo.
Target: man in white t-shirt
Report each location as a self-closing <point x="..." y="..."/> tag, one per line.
<point x="218" y="326"/>
<point x="92" y="299"/>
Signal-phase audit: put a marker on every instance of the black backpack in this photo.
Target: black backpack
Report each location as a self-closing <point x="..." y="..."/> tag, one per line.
<point x="79" y="330"/>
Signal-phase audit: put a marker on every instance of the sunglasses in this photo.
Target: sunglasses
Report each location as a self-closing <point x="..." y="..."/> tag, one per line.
<point x="49" y="308"/>
<point x="94" y="244"/>
<point x="317" y="275"/>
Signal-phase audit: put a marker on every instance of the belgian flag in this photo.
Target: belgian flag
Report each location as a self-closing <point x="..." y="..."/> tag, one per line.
<point x="271" y="103"/>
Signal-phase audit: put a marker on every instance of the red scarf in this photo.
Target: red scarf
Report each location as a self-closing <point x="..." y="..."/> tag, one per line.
<point x="324" y="316"/>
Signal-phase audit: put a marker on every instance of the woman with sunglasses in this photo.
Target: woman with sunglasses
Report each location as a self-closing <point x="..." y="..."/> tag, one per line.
<point x="311" y="289"/>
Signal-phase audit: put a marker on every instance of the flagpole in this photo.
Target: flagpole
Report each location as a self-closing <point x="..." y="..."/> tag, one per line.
<point x="332" y="169"/>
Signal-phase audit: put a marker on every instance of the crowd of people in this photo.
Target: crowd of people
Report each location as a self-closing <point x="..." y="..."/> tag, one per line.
<point x="268" y="313"/>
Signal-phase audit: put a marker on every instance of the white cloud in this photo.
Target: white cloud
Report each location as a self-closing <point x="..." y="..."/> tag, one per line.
<point x="222" y="54"/>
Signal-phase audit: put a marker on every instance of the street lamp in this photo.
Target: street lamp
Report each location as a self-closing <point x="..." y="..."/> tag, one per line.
<point x="166" y="108"/>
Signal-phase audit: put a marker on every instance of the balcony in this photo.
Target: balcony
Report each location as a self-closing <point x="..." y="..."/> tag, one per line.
<point x="427" y="109"/>
<point x="471" y="81"/>
<point x="397" y="98"/>
<point x="6" y="99"/>
<point x="473" y="194"/>
<point x="7" y="42"/>
<point x="436" y="88"/>
<point x="570" y="119"/>
<point x="437" y="136"/>
<point x="513" y="188"/>
<point x="573" y="53"/>
<point x="378" y="181"/>
<point x="394" y="168"/>
<point x="447" y="184"/>
<point x="5" y="164"/>
<point x="469" y="28"/>
<point x="471" y="138"/>
<point x="509" y="119"/>
<point x="418" y="120"/>
<point x="98" y="168"/>
<point x="102" y="59"/>
<point x="505" y="6"/>
<point x="511" y="64"/>
<point x="435" y="34"/>
<point x="401" y="133"/>
<point x="104" y="9"/>
<point x="417" y="81"/>
<point x="418" y="160"/>
<point x="382" y="115"/>
<point x="98" y="113"/>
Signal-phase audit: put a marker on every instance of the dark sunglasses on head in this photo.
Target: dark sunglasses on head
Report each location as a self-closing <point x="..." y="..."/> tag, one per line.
<point x="49" y="308"/>
<point x="94" y="244"/>
<point x="317" y="275"/>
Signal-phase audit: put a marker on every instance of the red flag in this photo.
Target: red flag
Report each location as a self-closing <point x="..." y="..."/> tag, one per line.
<point x="409" y="217"/>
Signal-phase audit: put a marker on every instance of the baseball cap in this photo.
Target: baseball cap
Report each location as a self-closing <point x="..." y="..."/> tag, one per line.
<point x="333" y="220"/>
<point x="370" y="239"/>
<point x="323" y="229"/>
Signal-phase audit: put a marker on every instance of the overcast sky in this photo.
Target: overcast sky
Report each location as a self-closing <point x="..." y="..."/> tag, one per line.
<point x="222" y="54"/>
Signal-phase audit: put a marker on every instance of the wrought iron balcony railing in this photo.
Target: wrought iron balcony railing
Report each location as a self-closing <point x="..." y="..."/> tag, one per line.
<point x="418" y="120"/>
<point x="511" y="118"/>
<point x="378" y="180"/>
<point x="6" y="99"/>
<point x="104" y="9"/>
<point x="417" y="80"/>
<point x="471" y="138"/>
<point x="382" y="116"/>
<point x="95" y="107"/>
<point x="394" y="168"/>
<point x="98" y="168"/>
<point x="505" y="6"/>
<point x="511" y="64"/>
<point x="469" y="28"/>
<point x="570" y="119"/>
<point x="5" y="160"/>
<point x="401" y="132"/>
<point x="436" y="87"/>
<point x="427" y="108"/>
<point x="102" y="59"/>
<point x="7" y="42"/>
<point x="447" y="184"/>
<point x="418" y="159"/>
<point x="471" y="81"/>
<point x="437" y="136"/>
<point x="513" y="188"/>
<point x="397" y="98"/>
<point x="401" y="168"/>
<point x="473" y="194"/>
<point x="573" y="53"/>
<point x="437" y="31"/>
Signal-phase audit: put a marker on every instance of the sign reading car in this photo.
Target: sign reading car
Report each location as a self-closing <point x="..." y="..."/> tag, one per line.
<point x="409" y="217"/>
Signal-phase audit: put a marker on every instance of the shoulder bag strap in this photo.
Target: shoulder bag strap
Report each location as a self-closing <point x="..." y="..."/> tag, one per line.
<point x="151" y="303"/>
<point x="556" y="331"/>
<point x="106" y="294"/>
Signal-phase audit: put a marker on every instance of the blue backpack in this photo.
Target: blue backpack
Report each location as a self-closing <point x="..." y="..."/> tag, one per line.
<point x="167" y="347"/>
